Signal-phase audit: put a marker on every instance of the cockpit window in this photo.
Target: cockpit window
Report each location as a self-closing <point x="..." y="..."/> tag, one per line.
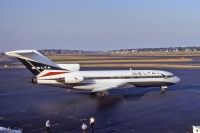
<point x="171" y="76"/>
<point x="168" y="76"/>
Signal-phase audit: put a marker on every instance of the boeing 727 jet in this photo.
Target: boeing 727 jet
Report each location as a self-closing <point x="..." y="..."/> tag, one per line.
<point x="48" y="72"/>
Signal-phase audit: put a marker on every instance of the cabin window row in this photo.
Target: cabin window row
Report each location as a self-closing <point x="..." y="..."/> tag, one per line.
<point x="130" y="77"/>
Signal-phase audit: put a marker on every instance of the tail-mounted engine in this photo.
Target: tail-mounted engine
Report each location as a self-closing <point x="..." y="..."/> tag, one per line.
<point x="71" y="79"/>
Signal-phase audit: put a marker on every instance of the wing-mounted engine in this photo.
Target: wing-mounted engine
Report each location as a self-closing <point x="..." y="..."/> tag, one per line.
<point x="71" y="79"/>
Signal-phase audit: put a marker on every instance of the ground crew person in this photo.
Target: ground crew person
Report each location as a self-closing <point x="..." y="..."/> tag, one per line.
<point x="84" y="128"/>
<point x="92" y="121"/>
<point x="48" y="126"/>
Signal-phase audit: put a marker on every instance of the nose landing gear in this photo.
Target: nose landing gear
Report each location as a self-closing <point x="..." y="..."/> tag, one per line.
<point x="163" y="88"/>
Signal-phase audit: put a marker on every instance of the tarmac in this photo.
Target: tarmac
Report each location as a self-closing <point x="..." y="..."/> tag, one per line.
<point x="135" y="110"/>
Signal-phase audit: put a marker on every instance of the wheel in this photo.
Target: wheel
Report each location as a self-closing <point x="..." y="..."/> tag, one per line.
<point x="163" y="88"/>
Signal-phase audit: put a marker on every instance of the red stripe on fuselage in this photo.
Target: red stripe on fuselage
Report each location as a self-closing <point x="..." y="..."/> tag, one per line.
<point x="53" y="73"/>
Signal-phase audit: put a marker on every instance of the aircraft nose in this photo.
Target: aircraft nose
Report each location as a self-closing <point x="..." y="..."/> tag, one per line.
<point x="177" y="79"/>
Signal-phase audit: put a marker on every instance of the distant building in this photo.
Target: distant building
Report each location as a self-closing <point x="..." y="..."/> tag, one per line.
<point x="169" y="49"/>
<point x="120" y="51"/>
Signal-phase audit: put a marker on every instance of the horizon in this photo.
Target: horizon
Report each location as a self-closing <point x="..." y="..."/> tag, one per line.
<point x="98" y="25"/>
<point x="108" y="50"/>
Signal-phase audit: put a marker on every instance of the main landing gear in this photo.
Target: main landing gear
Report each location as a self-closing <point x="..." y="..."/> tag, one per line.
<point x="163" y="88"/>
<point x="99" y="94"/>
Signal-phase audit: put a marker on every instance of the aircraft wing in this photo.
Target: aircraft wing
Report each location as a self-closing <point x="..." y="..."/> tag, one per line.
<point x="102" y="86"/>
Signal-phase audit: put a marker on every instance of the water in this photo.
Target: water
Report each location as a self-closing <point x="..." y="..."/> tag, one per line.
<point x="135" y="110"/>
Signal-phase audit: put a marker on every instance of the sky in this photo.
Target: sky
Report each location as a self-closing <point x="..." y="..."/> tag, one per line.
<point x="98" y="24"/>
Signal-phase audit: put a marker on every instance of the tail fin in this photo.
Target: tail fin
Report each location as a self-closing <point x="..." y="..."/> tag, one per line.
<point x="34" y="61"/>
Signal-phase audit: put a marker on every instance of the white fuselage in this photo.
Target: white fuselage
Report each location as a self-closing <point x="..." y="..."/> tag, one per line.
<point x="137" y="78"/>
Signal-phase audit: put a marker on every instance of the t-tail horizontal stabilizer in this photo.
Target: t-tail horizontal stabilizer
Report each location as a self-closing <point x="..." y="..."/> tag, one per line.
<point x="34" y="61"/>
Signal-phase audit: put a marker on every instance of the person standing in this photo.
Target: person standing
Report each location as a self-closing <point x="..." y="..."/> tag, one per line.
<point x="48" y="126"/>
<point x="84" y="127"/>
<point x="92" y="121"/>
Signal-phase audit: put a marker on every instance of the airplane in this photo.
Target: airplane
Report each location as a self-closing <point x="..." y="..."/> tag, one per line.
<point x="47" y="72"/>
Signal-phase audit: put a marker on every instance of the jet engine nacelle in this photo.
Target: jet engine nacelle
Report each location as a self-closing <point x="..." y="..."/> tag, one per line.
<point x="73" y="79"/>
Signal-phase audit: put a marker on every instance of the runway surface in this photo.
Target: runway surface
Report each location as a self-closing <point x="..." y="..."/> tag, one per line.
<point x="130" y="110"/>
